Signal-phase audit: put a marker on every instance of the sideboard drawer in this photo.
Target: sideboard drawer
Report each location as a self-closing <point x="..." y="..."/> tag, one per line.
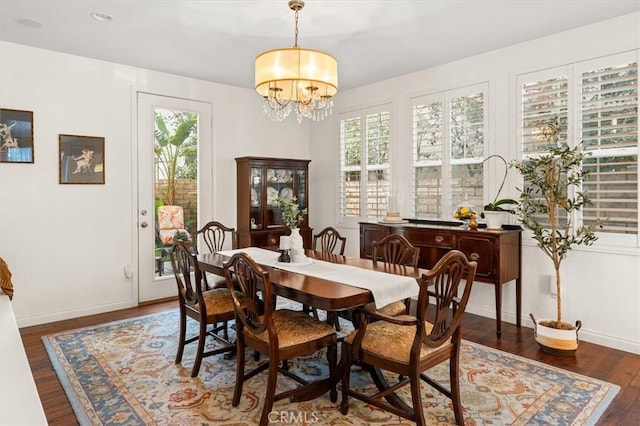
<point x="434" y="237"/>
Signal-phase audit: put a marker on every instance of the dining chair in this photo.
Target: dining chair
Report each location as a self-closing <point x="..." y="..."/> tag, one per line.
<point x="409" y="346"/>
<point x="328" y="240"/>
<point x="215" y="236"/>
<point x="395" y="250"/>
<point x="281" y="334"/>
<point x="206" y="307"/>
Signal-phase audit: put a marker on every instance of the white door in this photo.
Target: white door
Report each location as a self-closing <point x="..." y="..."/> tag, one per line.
<point x="191" y="158"/>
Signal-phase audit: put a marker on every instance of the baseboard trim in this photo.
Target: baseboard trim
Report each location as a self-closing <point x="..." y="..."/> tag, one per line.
<point x="65" y="315"/>
<point x="585" y="333"/>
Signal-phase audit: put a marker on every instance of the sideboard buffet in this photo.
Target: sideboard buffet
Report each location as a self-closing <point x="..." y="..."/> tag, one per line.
<point x="498" y="252"/>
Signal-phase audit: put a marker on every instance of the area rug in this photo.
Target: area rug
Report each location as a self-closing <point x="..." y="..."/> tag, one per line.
<point x="123" y="372"/>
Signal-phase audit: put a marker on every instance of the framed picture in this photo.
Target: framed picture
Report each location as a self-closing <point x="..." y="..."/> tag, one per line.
<point x="16" y="136"/>
<point x="81" y="159"/>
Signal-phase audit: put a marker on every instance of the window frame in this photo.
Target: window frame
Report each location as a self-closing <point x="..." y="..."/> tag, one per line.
<point x="446" y="162"/>
<point x="574" y="74"/>
<point x="364" y="168"/>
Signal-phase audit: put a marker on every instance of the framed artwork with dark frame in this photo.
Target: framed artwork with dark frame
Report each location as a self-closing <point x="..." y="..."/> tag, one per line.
<point x="16" y="136"/>
<point x="81" y="159"/>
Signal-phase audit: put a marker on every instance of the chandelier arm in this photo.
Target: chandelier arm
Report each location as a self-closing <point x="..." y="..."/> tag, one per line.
<point x="281" y="104"/>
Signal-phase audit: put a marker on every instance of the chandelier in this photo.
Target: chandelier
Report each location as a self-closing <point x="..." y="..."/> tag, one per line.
<point x="297" y="79"/>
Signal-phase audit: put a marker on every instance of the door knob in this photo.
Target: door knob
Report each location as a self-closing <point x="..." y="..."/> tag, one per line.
<point x="143" y="212"/>
<point x="144" y="224"/>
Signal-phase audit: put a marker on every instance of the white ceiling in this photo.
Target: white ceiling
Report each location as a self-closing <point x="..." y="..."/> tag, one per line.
<point x="218" y="40"/>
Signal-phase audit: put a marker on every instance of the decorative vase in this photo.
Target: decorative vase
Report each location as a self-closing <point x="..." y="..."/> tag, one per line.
<point x="554" y="341"/>
<point x="296" y="246"/>
<point x="473" y="223"/>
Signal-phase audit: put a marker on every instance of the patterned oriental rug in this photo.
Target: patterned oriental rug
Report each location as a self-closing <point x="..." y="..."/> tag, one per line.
<point x="124" y="373"/>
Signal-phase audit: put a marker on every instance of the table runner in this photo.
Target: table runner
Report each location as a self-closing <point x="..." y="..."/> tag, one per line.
<point x="385" y="288"/>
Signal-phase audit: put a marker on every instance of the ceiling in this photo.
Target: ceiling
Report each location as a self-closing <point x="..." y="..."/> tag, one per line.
<point x="218" y="40"/>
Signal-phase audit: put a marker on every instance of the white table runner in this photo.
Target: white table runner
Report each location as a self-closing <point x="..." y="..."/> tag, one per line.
<point x="385" y="288"/>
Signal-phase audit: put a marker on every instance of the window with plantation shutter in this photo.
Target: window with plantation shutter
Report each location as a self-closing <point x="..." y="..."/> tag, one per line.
<point x="364" y="164"/>
<point x="542" y="100"/>
<point x="603" y="116"/>
<point x="609" y="121"/>
<point x="448" y="148"/>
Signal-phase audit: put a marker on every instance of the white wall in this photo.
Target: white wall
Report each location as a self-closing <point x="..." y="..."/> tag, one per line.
<point x="67" y="244"/>
<point x="601" y="285"/>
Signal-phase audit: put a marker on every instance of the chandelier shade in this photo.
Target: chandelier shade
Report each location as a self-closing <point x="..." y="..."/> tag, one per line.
<point x="296" y="67"/>
<point x="293" y="78"/>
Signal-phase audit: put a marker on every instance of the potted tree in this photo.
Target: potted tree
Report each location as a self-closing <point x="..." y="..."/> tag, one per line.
<point x="548" y="200"/>
<point x="494" y="211"/>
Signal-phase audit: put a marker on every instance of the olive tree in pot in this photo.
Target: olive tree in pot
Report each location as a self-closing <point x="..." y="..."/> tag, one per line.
<point x="493" y="212"/>
<point x="550" y="197"/>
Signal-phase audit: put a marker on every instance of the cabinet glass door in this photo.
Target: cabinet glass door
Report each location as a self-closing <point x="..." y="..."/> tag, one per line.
<point x="279" y="182"/>
<point x="256" y="198"/>
<point x="301" y="184"/>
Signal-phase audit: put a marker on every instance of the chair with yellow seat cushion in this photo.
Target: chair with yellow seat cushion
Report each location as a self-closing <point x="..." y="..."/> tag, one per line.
<point x="409" y="346"/>
<point x="281" y="334"/>
<point x="395" y="250"/>
<point x="207" y="307"/>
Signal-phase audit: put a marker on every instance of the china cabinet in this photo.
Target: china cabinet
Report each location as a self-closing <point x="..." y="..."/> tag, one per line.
<point x="260" y="181"/>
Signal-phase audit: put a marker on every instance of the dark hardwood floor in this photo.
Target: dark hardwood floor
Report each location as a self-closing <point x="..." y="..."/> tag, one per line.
<point x="621" y="368"/>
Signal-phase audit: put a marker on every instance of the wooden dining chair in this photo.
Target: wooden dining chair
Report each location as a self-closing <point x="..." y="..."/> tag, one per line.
<point x="216" y="236"/>
<point x="409" y="346"/>
<point x="330" y="241"/>
<point x="206" y="307"/>
<point x="395" y="249"/>
<point x="281" y="334"/>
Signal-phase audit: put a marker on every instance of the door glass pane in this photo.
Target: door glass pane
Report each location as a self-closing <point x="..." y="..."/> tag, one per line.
<point x="176" y="181"/>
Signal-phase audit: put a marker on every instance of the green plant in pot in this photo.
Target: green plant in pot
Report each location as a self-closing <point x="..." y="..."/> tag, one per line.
<point x="551" y="195"/>
<point x="494" y="210"/>
<point x="181" y="236"/>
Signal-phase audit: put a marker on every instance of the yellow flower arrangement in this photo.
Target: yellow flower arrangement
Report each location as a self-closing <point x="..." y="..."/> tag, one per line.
<point x="464" y="213"/>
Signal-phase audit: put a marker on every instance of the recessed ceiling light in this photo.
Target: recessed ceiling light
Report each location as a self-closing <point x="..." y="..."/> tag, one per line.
<point x="28" y="22"/>
<point x="104" y="17"/>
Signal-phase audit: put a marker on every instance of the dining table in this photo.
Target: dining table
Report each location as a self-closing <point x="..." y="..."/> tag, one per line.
<point x="327" y="281"/>
<point x="330" y="282"/>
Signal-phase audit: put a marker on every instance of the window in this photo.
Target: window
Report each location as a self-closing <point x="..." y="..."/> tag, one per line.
<point x="448" y="148"/>
<point x="603" y="116"/>
<point x="364" y="163"/>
